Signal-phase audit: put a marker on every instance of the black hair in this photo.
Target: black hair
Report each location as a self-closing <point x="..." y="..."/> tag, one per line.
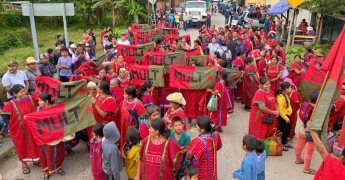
<point x="49" y="50"/>
<point x="191" y="171"/>
<point x="197" y="41"/>
<point x="132" y="138"/>
<point x="264" y="80"/>
<point x="260" y="146"/>
<point x="249" y="60"/>
<point x="47" y="97"/>
<point x="196" y="63"/>
<point x="151" y="109"/>
<point x="241" y="53"/>
<point x="105" y="87"/>
<point x="16" y="88"/>
<point x="313" y="96"/>
<point x="222" y="63"/>
<point x="250" y="142"/>
<point x="217" y="55"/>
<point x="205" y="123"/>
<point x="108" y="67"/>
<point x="159" y="125"/>
<point x="298" y="56"/>
<point x="131" y="91"/>
<point x="284" y="86"/>
<point x="176" y="119"/>
<point x="64" y="48"/>
<point x="98" y="130"/>
<point x="224" y="74"/>
<point x="147" y="84"/>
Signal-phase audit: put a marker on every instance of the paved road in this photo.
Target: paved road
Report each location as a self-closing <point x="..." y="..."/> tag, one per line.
<point x="229" y="157"/>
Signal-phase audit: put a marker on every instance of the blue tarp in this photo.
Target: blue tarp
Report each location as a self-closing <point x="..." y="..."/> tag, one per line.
<point x="281" y="7"/>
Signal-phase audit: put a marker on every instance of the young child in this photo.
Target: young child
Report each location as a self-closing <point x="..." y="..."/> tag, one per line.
<point x="249" y="165"/>
<point x="96" y="152"/>
<point x="261" y="153"/>
<point x="182" y="138"/>
<point x="191" y="173"/>
<point x="304" y="138"/>
<point x="112" y="162"/>
<point x="131" y="152"/>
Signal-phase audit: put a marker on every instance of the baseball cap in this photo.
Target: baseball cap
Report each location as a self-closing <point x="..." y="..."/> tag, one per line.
<point x="12" y="63"/>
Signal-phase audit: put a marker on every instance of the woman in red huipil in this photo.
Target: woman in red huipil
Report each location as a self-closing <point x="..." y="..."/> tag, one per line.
<point x="124" y="78"/>
<point x="119" y="63"/>
<point x="131" y="109"/>
<point x="159" y="154"/>
<point x="261" y="63"/>
<point x="274" y="71"/>
<point x="177" y="101"/>
<point x="52" y="154"/>
<point x="250" y="82"/>
<point x="263" y="104"/>
<point x="202" y="151"/>
<point x="13" y="114"/>
<point x="104" y="105"/>
<point x="297" y="70"/>
<point x="239" y="65"/>
<point x="145" y="93"/>
<point x="220" y="89"/>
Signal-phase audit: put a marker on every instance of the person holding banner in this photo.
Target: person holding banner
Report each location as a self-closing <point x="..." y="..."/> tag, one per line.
<point x="52" y="155"/>
<point x="220" y="89"/>
<point x="131" y="109"/>
<point x="177" y="101"/>
<point x="119" y="63"/>
<point x="13" y="114"/>
<point x="263" y="105"/>
<point x="104" y="105"/>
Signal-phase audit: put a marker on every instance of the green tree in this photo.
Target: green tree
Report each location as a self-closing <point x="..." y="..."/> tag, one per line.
<point x="334" y="8"/>
<point x="136" y="10"/>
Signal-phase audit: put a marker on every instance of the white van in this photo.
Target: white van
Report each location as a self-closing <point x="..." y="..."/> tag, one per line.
<point x="197" y="10"/>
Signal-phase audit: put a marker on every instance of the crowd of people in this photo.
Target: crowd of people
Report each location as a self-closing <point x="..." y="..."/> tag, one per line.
<point x="151" y="141"/>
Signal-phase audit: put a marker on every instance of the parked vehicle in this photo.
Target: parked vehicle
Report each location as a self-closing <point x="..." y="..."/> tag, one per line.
<point x="247" y="21"/>
<point x="196" y="9"/>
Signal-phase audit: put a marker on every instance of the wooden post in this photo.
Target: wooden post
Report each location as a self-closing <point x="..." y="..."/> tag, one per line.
<point x="320" y="30"/>
<point x="294" y="26"/>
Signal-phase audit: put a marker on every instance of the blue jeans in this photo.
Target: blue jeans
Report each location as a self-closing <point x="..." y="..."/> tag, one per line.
<point x="3" y="125"/>
<point x="185" y="24"/>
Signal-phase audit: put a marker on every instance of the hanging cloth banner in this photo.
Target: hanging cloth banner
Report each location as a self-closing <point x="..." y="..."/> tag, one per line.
<point x="139" y="27"/>
<point x="134" y="53"/>
<point x="190" y="77"/>
<point x="200" y="59"/>
<point x="164" y="58"/>
<point x="72" y="112"/>
<point x="141" y="73"/>
<point x="312" y="80"/>
<point x="171" y="33"/>
<point x="141" y="38"/>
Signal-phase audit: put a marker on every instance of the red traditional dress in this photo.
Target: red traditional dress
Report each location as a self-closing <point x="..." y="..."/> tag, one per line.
<point x="272" y="72"/>
<point x="296" y="78"/>
<point x="239" y="64"/>
<point x="250" y="84"/>
<point x="108" y="78"/>
<point x="157" y="161"/>
<point x="261" y="65"/>
<point x="107" y="104"/>
<point x="127" y="119"/>
<point x="117" y="93"/>
<point x="117" y="67"/>
<point x="192" y="98"/>
<point x="204" y="149"/>
<point x="256" y="127"/>
<point x="147" y="99"/>
<point x="331" y="168"/>
<point x="219" y="117"/>
<point x="124" y="82"/>
<point x="178" y="113"/>
<point x="144" y="129"/>
<point x="52" y="155"/>
<point x="96" y="159"/>
<point x="296" y="101"/>
<point x="22" y="138"/>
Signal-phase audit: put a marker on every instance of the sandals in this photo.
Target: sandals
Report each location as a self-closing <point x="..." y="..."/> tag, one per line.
<point x="25" y="170"/>
<point x="46" y="175"/>
<point x="289" y="146"/>
<point x="285" y="148"/>
<point x="310" y="171"/>
<point x="299" y="162"/>
<point x="60" y="172"/>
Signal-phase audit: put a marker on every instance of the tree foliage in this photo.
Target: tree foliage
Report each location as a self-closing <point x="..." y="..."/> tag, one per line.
<point x="328" y="7"/>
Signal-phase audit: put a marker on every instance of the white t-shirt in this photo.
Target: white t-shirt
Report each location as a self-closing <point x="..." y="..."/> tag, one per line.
<point x="9" y="80"/>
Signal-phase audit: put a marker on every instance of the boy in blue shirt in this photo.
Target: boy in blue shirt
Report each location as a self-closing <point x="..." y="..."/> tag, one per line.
<point x="261" y="153"/>
<point x="249" y="165"/>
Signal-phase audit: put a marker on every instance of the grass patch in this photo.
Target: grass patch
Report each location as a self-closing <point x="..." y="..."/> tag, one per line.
<point x="46" y="39"/>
